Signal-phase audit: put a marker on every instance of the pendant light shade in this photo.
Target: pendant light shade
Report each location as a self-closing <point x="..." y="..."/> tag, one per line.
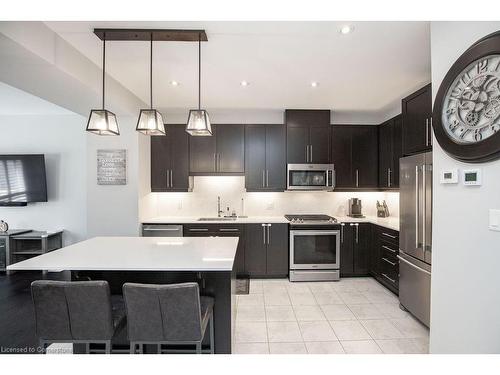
<point x="198" y="121"/>
<point x="102" y="121"/>
<point x="150" y="120"/>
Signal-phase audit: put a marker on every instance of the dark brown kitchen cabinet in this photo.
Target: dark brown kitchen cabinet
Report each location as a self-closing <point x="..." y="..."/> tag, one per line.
<point x="355" y="245"/>
<point x="355" y="156"/>
<point x="390" y="151"/>
<point x="417" y="121"/>
<point x="384" y="264"/>
<point x="265" y="153"/>
<point x="266" y="250"/>
<point x="308" y="136"/>
<point x="221" y="153"/>
<point x="169" y="160"/>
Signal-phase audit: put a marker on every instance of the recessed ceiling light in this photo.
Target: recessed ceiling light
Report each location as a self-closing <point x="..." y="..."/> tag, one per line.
<point x="346" y="29"/>
<point x="174" y="83"/>
<point x="314" y="84"/>
<point x="244" y="83"/>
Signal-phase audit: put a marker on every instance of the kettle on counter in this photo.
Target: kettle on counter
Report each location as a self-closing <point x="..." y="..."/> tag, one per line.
<point x="4" y="227"/>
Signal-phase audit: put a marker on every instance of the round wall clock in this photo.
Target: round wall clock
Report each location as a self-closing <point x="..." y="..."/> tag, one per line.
<point x="467" y="106"/>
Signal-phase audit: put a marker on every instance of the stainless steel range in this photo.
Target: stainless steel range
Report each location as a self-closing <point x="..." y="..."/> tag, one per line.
<point x="314" y="248"/>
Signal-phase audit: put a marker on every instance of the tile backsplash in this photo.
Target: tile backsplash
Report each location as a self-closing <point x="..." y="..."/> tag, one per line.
<point x="202" y="201"/>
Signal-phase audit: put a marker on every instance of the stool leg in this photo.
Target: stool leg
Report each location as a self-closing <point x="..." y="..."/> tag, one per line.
<point x="212" y="334"/>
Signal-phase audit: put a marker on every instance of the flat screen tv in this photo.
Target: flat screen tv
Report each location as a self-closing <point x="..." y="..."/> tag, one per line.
<point x="22" y="179"/>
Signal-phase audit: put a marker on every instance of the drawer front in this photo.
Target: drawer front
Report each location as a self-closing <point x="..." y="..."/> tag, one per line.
<point x="198" y="230"/>
<point x="209" y="230"/>
<point x="389" y="235"/>
<point x="3" y="257"/>
<point x="388" y="249"/>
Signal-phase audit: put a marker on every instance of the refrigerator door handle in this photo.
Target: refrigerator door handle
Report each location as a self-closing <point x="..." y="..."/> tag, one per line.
<point x="413" y="265"/>
<point x="416" y="207"/>
<point x="424" y="216"/>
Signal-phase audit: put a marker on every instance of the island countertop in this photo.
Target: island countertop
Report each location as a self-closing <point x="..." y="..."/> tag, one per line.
<point x="139" y="254"/>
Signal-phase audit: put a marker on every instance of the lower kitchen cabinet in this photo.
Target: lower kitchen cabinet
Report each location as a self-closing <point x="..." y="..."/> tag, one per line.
<point x="355" y="247"/>
<point x="266" y="250"/>
<point x="384" y="264"/>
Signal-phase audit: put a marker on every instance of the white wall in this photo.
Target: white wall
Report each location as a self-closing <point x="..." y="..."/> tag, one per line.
<point x="465" y="302"/>
<point x="202" y="201"/>
<point x="62" y="139"/>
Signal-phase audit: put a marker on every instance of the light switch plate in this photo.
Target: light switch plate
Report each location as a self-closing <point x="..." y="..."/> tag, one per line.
<point x="472" y="177"/>
<point x="449" y="176"/>
<point x="495" y="220"/>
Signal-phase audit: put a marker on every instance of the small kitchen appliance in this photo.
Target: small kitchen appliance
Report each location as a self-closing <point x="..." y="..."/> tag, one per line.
<point x="355" y="209"/>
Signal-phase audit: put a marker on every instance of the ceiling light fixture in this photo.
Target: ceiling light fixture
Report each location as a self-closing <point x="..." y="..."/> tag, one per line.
<point x="174" y="83"/>
<point x="198" y="121"/>
<point x="314" y="84"/>
<point x="150" y="120"/>
<point x="102" y="121"/>
<point x="244" y="83"/>
<point x="346" y="29"/>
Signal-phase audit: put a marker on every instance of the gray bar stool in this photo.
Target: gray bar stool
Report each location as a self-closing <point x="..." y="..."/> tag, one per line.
<point x="75" y="312"/>
<point x="172" y="314"/>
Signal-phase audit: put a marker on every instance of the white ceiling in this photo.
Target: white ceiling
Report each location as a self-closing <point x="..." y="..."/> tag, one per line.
<point x="368" y="70"/>
<point x="19" y="102"/>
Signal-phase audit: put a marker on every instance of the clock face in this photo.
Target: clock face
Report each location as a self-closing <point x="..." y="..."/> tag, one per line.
<point x="471" y="106"/>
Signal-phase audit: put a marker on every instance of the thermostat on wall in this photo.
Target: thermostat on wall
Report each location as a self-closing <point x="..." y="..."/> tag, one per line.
<point x="449" y="176"/>
<point x="472" y="177"/>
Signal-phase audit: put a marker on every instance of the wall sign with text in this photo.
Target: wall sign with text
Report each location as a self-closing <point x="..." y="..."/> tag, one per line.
<point x="111" y="167"/>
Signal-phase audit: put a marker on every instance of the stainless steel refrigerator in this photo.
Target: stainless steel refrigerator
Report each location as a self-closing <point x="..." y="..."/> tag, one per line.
<point x="415" y="238"/>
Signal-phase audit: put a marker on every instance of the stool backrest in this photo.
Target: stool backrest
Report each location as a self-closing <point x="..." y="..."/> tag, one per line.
<point x="163" y="312"/>
<point x="79" y="310"/>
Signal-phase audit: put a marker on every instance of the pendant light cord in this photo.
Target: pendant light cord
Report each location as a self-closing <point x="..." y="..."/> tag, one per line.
<point x="151" y="73"/>
<point x="199" y="71"/>
<point x="103" y="67"/>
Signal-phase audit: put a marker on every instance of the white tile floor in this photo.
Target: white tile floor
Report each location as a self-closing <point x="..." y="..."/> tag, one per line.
<point x="353" y="315"/>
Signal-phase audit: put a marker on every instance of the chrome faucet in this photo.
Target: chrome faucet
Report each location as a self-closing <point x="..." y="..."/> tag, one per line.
<point x="219" y="211"/>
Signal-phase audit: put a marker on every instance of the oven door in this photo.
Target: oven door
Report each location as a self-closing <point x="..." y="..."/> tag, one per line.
<point x="314" y="249"/>
<point x="310" y="177"/>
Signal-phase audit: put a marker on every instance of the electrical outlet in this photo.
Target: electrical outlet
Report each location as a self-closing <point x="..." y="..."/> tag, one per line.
<point x="494" y="220"/>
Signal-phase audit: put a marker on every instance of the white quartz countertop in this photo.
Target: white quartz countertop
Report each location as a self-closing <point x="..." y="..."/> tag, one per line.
<point x="139" y="254"/>
<point x="195" y="220"/>
<point x="387" y="222"/>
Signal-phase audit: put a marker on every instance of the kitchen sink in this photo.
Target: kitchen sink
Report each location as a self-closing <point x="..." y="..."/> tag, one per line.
<point x="217" y="219"/>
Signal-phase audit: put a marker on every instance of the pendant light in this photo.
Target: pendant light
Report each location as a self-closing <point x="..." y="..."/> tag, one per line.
<point x="150" y="120"/>
<point x="198" y="121"/>
<point x="102" y="121"/>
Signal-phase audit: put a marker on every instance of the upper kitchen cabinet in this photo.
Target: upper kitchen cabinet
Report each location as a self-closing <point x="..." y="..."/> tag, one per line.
<point x="390" y="150"/>
<point x="308" y="136"/>
<point x="265" y="157"/>
<point x="417" y="123"/>
<point x="355" y="155"/>
<point x="222" y="153"/>
<point x="170" y="160"/>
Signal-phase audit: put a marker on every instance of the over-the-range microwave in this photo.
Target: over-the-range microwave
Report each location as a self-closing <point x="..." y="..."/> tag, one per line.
<point x="310" y="177"/>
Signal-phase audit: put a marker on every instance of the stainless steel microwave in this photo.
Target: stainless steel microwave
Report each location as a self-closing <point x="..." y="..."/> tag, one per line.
<point x="310" y="177"/>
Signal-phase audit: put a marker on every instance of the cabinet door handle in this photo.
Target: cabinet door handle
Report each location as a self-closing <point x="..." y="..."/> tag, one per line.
<point x="430" y="138"/>
<point x="357" y="232"/>
<point x="307" y="153"/>
<point x="198" y="229"/>
<point x="267" y="177"/>
<point x="388" y="235"/>
<point x="229" y="230"/>
<point x="427" y="131"/>
<point x="168" y="178"/>
<point x="268" y="234"/>
<point x="215" y="162"/>
<point x="171" y="178"/>
<point x="357" y="178"/>
<point x="388" y="278"/>
<point x="264" y="234"/>
<point x="388" y="261"/>
<point x="311" y="153"/>
<point x="388" y="177"/>
<point x="389" y="249"/>
<point x="342" y="232"/>
<point x="263" y="178"/>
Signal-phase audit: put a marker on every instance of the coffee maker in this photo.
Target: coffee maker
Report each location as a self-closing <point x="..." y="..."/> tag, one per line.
<point x="355" y="207"/>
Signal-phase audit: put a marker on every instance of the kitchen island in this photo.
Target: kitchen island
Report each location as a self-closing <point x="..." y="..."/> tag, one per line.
<point x="208" y="261"/>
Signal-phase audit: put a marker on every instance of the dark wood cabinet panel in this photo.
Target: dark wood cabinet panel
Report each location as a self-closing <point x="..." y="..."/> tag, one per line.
<point x="255" y="250"/>
<point x="416" y="115"/>
<point x="390" y="151"/>
<point x="202" y="153"/>
<point x="365" y="156"/>
<point x="346" y="250"/>
<point x="308" y="136"/>
<point x="320" y="144"/>
<point x="277" y="250"/>
<point x="265" y="153"/>
<point x="397" y="149"/>
<point x="297" y="145"/>
<point x="276" y="157"/>
<point x="384" y="265"/>
<point x="169" y="160"/>
<point x="342" y="155"/>
<point x="230" y="140"/>
<point x="362" y="247"/>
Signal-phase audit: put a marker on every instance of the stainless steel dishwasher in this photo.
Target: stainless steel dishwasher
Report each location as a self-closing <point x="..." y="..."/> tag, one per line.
<point x="162" y="230"/>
